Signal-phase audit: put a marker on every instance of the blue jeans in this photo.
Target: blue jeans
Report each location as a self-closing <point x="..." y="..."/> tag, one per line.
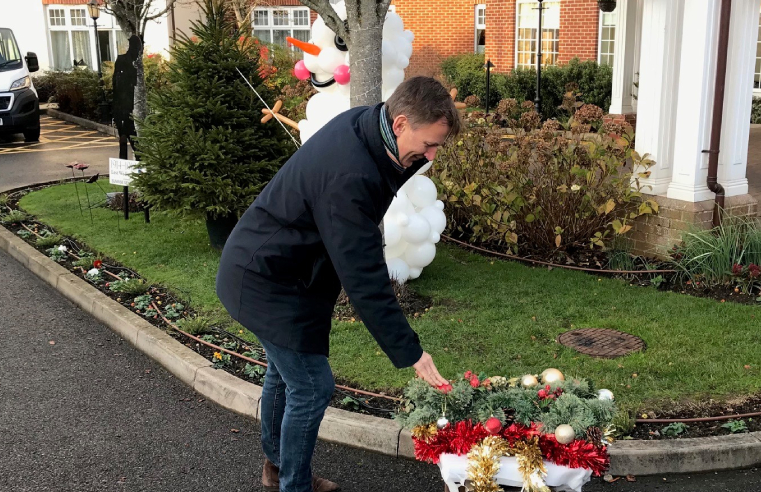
<point x="297" y="390"/>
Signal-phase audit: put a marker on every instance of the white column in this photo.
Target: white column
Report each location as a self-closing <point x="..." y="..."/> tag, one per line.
<point x="658" y="88"/>
<point x="741" y="61"/>
<point x="698" y="73"/>
<point x="623" y="58"/>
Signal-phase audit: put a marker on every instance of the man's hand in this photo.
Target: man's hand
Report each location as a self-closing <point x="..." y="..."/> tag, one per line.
<point x="426" y="369"/>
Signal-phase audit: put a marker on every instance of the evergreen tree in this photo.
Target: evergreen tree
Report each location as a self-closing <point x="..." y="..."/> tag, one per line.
<point x="203" y="147"/>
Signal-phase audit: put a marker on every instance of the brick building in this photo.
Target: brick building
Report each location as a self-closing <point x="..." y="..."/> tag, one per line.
<point x="506" y="31"/>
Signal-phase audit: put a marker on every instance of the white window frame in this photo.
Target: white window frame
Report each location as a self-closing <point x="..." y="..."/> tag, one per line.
<point x="539" y="35"/>
<point x="290" y="26"/>
<point x="105" y="23"/>
<point x="478" y="26"/>
<point x="599" y="38"/>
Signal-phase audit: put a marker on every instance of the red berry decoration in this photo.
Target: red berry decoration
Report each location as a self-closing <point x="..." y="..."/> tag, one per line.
<point x="493" y="425"/>
<point x="474" y="382"/>
<point x="445" y="388"/>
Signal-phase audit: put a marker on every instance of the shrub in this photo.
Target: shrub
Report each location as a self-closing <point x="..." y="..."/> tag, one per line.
<point x="78" y="93"/>
<point x="594" y="83"/>
<point x="155" y="69"/>
<point x="472" y="101"/>
<point x="542" y="189"/>
<point x="755" y="111"/>
<point x="45" y="84"/>
<point x="712" y="256"/>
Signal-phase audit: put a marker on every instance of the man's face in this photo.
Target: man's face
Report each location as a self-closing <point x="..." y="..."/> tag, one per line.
<point x="418" y="142"/>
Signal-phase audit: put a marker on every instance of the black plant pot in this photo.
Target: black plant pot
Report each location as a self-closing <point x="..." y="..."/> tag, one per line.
<point x="607" y="5"/>
<point x="219" y="229"/>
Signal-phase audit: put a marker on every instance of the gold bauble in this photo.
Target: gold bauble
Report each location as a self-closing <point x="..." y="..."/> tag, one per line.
<point x="529" y="381"/>
<point x="565" y="434"/>
<point x="552" y="375"/>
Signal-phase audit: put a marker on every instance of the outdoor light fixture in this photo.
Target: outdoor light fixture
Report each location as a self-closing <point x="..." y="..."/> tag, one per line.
<point x="607" y="5"/>
<point x="94" y="9"/>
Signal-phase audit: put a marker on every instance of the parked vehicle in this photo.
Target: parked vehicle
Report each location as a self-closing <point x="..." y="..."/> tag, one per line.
<point x="19" y="104"/>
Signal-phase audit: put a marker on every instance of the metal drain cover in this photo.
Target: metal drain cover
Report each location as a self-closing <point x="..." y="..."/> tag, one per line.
<point x="601" y="342"/>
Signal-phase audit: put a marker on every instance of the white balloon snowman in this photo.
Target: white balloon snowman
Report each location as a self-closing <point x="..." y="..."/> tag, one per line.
<point x="415" y="219"/>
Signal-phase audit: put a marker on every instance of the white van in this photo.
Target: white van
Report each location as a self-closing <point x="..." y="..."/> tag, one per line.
<point x="19" y="105"/>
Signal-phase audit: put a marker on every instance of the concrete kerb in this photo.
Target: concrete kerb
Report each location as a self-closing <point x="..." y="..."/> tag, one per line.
<point x="107" y="129"/>
<point x="339" y="426"/>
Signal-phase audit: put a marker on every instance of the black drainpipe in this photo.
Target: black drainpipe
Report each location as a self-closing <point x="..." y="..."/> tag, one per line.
<point x="718" y="112"/>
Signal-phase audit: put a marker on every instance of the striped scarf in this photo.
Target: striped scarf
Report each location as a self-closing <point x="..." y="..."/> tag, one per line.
<point x="389" y="140"/>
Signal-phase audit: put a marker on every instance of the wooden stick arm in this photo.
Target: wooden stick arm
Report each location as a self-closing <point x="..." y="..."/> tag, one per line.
<point x="275" y="112"/>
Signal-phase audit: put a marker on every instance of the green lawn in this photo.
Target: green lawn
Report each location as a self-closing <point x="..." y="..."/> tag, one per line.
<point x="493" y="316"/>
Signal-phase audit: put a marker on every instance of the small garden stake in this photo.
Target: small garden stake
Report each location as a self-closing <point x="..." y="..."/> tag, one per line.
<point x="82" y="168"/>
<point x="71" y="166"/>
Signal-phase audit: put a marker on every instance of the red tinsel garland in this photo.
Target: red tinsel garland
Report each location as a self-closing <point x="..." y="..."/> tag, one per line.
<point x="460" y="437"/>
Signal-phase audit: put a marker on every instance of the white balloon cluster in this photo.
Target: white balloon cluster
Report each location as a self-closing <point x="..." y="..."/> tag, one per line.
<point x="412" y="226"/>
<point x="330" y="69"/>
<point x="415" y="219"/>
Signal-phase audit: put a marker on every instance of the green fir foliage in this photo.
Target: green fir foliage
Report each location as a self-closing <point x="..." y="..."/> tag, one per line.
<point x="203" y="147"/>
<point x="577" y="404"/>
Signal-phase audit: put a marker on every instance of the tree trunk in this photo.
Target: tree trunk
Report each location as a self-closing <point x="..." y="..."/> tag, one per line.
<point x="366" y="35"/>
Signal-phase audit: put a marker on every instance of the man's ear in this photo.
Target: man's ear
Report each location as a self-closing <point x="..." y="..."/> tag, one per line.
<point x="400" y="124"/>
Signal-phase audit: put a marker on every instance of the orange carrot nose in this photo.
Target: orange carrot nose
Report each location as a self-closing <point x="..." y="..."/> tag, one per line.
<point x="310" y="48"/>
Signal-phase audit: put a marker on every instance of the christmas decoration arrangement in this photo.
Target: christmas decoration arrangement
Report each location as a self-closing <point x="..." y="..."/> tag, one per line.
<point x="534" y="431"/>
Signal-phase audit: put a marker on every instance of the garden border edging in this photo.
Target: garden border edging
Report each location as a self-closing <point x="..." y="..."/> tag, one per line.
<point x="340" y="426"/>
<point x="83" y="122"/>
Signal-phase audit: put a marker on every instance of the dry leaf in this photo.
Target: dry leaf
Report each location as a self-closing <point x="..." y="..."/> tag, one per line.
<point x="630" y="478"/>
<point x="235" y="430"/>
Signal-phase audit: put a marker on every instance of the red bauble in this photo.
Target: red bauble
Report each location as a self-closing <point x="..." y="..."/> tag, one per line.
<point x="493" y="425"/>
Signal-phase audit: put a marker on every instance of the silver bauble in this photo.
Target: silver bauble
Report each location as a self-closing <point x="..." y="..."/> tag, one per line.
<point x="442" y="422"/>
<point x="529" y="381"/>
<point x="565" y="434"/>
<point x="605" y="394"/>
<point x="552" y="375"/>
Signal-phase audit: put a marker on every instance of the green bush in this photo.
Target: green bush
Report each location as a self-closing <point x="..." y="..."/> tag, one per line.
<point x="713" y="256"/>
<point x="755" y="112"/>
<point x="77" y="93"/>
<point x="45" y="84"/>
<point x="542" y="189"/>
<point x="155" y="69"/>
<point x="593" y="81"/>
<point x="203" y="147"/>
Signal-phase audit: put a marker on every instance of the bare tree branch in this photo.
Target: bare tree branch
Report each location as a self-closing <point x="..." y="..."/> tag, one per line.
<point x="169" y="4"/>
<point x="329" y="15"/>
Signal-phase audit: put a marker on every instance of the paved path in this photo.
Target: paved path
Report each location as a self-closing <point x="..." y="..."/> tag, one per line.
<point x="60" y="143"/>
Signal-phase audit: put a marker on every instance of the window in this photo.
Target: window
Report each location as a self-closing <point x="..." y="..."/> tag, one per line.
<point x="480" y="28"/>
<point x="527" y="33"/>
<point x="78" y="17"/>
<point x="273" y="25"/>
<point x="57" y="17"/>
<point x="72" y="39"/>
<point x="607" y="38"/>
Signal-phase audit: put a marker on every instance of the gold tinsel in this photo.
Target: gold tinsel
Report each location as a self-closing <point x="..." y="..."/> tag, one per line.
<point x="424" y="432"/>
<point x="531" y="465"/>
<point x="483" y="464"/>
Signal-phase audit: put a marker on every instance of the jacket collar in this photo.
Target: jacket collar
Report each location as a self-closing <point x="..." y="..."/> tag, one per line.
<point x="370" y="134"/>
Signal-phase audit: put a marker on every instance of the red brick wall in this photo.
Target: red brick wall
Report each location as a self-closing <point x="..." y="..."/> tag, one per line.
<point x="442" y="28"/>
<point x="500" y="34"/>
<point x="579" y="30"/>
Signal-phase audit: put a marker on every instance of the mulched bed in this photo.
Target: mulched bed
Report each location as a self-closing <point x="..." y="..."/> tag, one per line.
<point x="413" y="306"/>
<point x="650" y="431"/>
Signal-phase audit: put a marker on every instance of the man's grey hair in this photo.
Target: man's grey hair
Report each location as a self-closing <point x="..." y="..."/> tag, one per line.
<point x="423" y="100"/>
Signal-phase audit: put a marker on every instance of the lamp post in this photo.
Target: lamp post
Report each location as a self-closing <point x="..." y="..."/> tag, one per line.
<point x="488" y="67"/>
<point x="538" y="98"/>
<point x="94" y="10"/>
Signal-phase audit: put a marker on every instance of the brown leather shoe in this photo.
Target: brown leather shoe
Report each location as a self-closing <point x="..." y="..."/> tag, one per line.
<point x="269" y="477"/>
<point x="271" y="481"/>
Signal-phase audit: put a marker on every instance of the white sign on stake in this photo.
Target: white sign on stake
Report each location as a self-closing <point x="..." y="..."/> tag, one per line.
<point x="120" y="171"/>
